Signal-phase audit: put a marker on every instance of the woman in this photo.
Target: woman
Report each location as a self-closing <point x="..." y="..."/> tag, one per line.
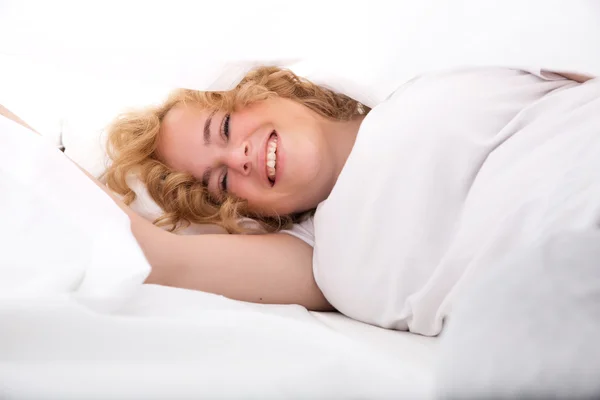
<point x="269" y="150"/>
<point x="273" y="148"/>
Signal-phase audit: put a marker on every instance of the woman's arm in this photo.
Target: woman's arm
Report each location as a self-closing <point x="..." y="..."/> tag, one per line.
<point x="275" y="268"/>
<point x="271" y="269"/>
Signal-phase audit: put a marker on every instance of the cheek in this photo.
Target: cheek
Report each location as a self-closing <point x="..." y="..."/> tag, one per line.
<point x="305" y="158"/>
<point x="246" y="189"/>
<point x="264" y="200"/>
<point x="245" y="123"/>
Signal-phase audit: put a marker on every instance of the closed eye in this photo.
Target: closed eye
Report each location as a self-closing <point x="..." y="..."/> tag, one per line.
<point x="223" y="183"/>
<point x="225" y="134"/>
<point x="225" y="127"/>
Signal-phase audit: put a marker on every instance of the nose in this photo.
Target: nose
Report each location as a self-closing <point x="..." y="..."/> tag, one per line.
<point x="238" y="159"/>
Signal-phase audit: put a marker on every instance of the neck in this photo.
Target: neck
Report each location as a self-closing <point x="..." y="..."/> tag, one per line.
<point x="341" y="137"/>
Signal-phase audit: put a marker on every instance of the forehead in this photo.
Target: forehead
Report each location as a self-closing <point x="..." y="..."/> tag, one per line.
<point x="182" y="117"/>
<point x="180" y="135"/>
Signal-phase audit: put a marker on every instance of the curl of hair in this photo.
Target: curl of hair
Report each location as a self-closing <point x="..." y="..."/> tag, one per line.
<point x="133" y="138"/>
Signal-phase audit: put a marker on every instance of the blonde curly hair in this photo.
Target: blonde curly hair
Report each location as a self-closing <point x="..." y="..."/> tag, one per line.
<point x="132" y="148"/>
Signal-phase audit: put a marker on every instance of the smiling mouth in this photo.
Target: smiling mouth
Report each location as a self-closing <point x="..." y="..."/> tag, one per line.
<point x="271" y="159"/>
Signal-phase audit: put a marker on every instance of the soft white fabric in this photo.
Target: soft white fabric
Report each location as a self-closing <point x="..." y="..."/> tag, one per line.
<point x="52" y="244"/>
<point x="377" y="48"/>
<point x="528" y="326"/>
<point x="77" y="323"/>
<point x="455" y="169"/>
<point x="304" y="231"/>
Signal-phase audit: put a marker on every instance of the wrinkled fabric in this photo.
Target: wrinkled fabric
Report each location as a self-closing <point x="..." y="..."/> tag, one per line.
<point x="454" y="171"/>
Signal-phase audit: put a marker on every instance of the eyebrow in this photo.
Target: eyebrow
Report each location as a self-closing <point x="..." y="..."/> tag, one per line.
<point x="207" y="129"/>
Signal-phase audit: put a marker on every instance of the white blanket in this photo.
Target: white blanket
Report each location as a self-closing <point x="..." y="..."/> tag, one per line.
<point x="77" y="323"/>
<point x="456" y="170"/>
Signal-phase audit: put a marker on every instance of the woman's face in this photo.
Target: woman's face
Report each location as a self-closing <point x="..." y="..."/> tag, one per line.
<point x="272" y="153"/>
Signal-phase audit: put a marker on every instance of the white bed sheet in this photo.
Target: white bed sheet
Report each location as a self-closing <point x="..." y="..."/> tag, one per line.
<point x="77" y="322"/>
<point x="419" y="351"/>
<point x="60" y="350"/>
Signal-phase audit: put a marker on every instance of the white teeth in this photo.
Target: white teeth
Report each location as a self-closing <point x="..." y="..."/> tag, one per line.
<point x="272" y="157"/>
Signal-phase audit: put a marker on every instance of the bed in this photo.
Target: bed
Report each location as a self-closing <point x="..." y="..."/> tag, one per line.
<point x="77" y="322"/>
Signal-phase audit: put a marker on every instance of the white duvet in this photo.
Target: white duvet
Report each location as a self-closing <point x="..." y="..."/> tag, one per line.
<point x="454" y="171"/>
